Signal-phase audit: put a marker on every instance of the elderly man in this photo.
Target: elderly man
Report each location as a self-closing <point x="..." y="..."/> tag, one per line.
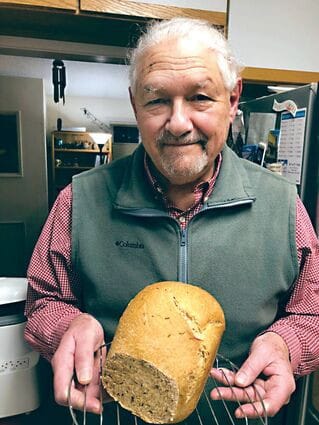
<point x="190" y="210"/>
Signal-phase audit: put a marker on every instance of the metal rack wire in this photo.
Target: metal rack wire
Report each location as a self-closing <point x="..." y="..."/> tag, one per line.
<point x="216" y="412"/>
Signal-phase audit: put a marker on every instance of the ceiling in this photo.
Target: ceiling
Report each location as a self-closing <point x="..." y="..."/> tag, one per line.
<point x="87" y="79"/>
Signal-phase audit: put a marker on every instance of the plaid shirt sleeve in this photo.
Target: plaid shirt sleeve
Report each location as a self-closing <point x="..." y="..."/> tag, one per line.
<point x="299" y="325"/>
<point x="53" y="290"/>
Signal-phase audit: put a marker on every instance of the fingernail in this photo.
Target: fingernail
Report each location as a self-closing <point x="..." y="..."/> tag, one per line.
<point x="85" y="376"/>
<point x="241" y="378"/>
<point x="215" y="395"/>
<point x="97" y="409"/>
<point x="239" y="414"/>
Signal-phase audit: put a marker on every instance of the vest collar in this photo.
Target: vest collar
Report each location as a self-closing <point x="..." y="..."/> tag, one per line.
<point x="232" y="186"/>
<point x="135" y="191"/>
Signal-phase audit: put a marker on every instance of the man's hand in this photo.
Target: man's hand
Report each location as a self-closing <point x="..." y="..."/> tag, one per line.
<point x="269" y="356"/>
<point x="76" y="355"/>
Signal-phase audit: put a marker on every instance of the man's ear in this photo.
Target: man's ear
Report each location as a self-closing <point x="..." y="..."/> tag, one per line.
<point x="234" y="98"/>
<point x="132" y="100"/>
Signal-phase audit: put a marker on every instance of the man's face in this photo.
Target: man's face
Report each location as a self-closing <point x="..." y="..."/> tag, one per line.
<point x="183" y="110"/>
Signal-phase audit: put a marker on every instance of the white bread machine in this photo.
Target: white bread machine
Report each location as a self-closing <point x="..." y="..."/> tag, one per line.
<point x="19" y="383"/>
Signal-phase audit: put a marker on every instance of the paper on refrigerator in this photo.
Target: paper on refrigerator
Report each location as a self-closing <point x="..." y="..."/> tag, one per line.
<point x="291" y="144"/>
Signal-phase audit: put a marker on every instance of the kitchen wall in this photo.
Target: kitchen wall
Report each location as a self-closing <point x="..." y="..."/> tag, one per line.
<point x="215" y="5"/>
<point x="106" y="110"/>
<point x="23" y="196"/>
<point x="100" y="88"/>
<point x="278" y="34"/>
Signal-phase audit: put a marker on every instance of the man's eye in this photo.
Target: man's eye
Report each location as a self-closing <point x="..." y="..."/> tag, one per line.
<point x="200" y="98"/>
<point x="157" y="101"/>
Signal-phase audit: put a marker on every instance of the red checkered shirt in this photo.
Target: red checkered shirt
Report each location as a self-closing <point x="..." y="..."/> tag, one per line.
<point x="53" y="299"/>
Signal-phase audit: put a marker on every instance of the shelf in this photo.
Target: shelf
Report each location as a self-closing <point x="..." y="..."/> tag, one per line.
<point x="96" y="152"/>
<point x="72" y="167"/>
<point x="75" y="152"/>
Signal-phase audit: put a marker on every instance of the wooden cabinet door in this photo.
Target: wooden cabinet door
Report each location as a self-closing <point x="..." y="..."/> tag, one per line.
<point x="57" y="4"/>
<point x="147" y="10"/>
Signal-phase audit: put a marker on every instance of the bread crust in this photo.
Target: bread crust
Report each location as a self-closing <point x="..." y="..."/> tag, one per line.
<point x="164" y="346"/>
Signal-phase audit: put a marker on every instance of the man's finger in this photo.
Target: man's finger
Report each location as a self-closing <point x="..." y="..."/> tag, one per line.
<point x="223" y="375"/>
<point x="252" y="410"/>
<point x="63" y="371"/>
<point x="88" y="335"/>
<point x="84" y="398"/>
<point x="249" y="371"/>
<point x="242" y="395"/>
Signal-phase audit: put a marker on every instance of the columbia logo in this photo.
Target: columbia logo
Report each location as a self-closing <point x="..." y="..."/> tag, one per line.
<point x="127" y="244"/>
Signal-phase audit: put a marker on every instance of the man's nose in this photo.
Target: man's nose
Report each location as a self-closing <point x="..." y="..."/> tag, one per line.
<point x="179" y="121"/>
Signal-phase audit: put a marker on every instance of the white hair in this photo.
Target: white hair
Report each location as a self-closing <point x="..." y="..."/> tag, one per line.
<point x="192" y="29"/>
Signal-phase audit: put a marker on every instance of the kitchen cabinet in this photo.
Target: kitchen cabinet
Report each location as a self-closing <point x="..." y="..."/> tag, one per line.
<point x="154" y="11"/>
<point x="57" y="4"/>
<point x="73" y="152"/>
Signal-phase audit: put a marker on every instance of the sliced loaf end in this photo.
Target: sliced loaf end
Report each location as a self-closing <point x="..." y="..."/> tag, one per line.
<point x="141" y="388"/>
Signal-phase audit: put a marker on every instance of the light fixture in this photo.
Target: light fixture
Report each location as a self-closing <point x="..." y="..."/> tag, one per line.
<point x="100" y="139"/>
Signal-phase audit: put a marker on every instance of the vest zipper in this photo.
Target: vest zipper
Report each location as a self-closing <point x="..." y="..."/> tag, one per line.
<point x="182" y="268"/>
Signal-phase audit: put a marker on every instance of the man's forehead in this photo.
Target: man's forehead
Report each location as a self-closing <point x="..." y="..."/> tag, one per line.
<point x="180" y="55"/>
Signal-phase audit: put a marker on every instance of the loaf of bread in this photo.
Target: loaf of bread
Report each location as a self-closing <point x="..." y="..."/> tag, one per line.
<point x="164" y="346"/>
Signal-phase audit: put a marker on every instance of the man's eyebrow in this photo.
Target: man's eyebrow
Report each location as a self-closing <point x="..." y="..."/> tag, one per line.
<point x="149" y="89"/>
<point x="202" y="84"/>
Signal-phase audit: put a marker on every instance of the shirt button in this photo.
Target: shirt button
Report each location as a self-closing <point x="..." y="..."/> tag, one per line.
<point x="206" y="199"/>
<point x="182" y="219"/>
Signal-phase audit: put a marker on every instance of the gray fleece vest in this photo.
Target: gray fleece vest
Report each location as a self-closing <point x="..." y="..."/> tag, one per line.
<point x="241" y="247"/>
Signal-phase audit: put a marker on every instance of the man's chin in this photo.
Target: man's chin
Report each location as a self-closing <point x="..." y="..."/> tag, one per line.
<point x="183" y="174"/>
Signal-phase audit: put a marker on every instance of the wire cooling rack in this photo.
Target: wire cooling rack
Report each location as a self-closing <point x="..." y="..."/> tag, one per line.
<point x="207" y="412"/>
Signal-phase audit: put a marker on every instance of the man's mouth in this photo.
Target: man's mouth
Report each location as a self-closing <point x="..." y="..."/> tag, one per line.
<point x="201" y="142"/>
<point x="178" y="144"/>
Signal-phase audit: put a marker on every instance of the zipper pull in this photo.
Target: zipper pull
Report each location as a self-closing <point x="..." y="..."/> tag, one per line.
<point x="183" y="238"/>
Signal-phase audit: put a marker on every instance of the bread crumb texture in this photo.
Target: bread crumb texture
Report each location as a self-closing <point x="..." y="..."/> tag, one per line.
<point x="164" y="346"/>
